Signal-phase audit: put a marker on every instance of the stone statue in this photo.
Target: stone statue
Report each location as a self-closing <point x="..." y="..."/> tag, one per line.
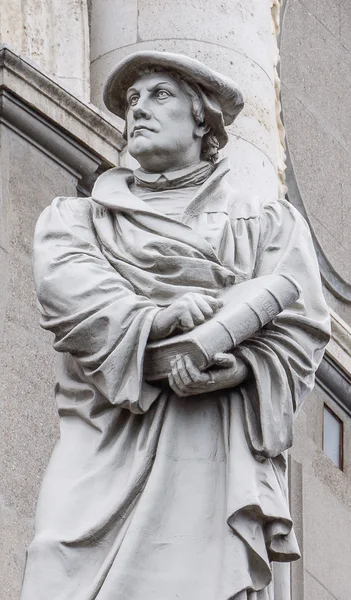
<point x="172" y="489"/>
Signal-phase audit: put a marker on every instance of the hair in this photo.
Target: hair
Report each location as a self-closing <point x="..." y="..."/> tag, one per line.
<point x="210" y="143"/>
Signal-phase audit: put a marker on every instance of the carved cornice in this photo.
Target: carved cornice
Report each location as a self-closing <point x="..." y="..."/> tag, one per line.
<point x="335" y="382"/>
<point x="72" y="132"/>
<point x="339" y="347"/>
<point x="53" y="141"/>
<point x="341" y="333"/>
<point x="334" y="373"/>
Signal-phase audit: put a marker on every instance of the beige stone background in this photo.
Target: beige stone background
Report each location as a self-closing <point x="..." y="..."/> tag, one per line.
<point x="316" y="84"/>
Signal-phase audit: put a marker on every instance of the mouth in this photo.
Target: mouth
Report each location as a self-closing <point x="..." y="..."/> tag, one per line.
<point x="138" y="128"/>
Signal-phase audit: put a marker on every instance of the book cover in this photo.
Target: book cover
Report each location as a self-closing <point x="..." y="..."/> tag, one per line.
<point x="247" y="307"/>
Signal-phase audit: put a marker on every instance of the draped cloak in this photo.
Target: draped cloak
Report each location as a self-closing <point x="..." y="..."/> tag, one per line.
<point x="149" y="496"/>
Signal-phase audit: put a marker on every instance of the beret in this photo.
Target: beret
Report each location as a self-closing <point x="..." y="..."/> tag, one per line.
<point x="221" y="92"/>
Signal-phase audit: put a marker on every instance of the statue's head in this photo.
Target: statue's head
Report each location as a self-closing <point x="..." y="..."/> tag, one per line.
<point x="175" y="108"/>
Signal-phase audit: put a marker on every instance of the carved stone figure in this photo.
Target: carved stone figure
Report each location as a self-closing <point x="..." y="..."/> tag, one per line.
<point x="170" y="488"/>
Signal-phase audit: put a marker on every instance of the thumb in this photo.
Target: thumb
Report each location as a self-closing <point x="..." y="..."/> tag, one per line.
<point x="224" y="360"/>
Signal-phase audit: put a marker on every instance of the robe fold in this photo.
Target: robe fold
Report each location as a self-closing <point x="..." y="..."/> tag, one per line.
<point x="149" y="496"/>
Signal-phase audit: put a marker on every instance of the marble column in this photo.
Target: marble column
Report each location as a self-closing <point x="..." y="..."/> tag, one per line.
<point x="236" y="37"/>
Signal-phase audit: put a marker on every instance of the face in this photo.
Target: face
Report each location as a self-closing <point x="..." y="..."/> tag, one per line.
<point x="161" y="131"/>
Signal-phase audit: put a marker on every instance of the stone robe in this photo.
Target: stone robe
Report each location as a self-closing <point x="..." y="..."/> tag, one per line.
<point x="149" y="496"/>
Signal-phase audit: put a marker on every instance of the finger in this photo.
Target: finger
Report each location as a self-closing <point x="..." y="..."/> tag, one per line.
<point x="196" y="312"/>
<point x="186" y="321"/>
<point x="204" y="306"/>
<point x="194" y="373"/>
<point x="224" y="360"/>
<point x="174" y="387"/>
<point x="182" y="371"/>
<point x="177" y="379"/>
<point x="214" y="303"/>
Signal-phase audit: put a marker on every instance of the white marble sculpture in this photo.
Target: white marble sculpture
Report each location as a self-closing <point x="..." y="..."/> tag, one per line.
<point x="170" y="489"/>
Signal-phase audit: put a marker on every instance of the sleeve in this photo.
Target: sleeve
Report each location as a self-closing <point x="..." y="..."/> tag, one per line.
<point x="92" y="310"/>
<point x="285" y="354"/>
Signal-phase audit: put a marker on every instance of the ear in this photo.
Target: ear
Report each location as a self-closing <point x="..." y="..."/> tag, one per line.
<point x="201" y="129"/>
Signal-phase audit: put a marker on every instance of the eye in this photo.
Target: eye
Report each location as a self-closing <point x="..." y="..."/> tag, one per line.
<point x="162" y="94"/>
<point x="132" y="101"/>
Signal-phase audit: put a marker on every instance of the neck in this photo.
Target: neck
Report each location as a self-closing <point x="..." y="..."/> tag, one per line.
<point x="171" y="168"/>
<point x="160" y="161"/>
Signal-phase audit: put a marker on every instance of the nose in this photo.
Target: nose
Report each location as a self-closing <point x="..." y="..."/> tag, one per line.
<point x="141" y="112"/>
<point x="141" y="109"/>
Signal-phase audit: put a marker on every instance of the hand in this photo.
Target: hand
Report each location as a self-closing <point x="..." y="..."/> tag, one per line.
<point x="184" y="314"/>
<point x="185" y="378"/>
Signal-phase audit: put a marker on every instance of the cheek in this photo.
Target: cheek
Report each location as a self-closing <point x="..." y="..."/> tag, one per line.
<point x="181" y="123"/>
<point x="129" y="118"/>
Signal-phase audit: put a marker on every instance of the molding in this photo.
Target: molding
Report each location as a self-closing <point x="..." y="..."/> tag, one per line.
<point x="341" y="333"/>
<point x="334" y="373"/>
<point x="49" y="138"/>
<point x="339" y="347"/>
<point x="336" y="382"/>
<point x="28" y="93"/>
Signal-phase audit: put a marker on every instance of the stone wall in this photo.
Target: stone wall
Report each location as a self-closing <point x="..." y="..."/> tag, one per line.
<point x="50" y="144"/>
<point x="321" y="506"/>
<point x="28" y="424"/>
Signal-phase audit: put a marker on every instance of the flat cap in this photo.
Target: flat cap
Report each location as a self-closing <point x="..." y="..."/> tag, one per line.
<point x="216" y="86"/>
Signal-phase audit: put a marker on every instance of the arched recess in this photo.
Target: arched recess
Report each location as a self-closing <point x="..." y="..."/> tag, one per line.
<point x="318" y="132"/>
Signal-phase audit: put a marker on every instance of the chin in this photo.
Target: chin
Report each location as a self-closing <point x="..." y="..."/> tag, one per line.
<point x="147" y="159"/>
<point x="140" y="147"/>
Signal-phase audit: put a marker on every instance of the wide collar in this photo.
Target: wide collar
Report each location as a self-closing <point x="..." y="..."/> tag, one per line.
<point x="188" y="176"/>
<point x="112" y="191"/>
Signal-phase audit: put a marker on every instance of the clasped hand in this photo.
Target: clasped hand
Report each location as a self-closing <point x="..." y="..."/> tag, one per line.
<point x="185" y="378"/>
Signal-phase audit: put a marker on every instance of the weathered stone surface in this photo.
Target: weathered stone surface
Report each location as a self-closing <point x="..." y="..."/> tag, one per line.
<point x="54" y="35"/>
<point x="317" y="107"/>
<point x="316" y="590"/>
<point x="342" y="308"/>
<point x="122" y="25"/>
<point x="69" y="139"/>
<point x="345" y="23"/>
<point x="328" y="518"/>
<point x="28" y="424"/>
<point x="244" y="27"/>
<point x="246" y="159"/>
<point x="320" y="169"/>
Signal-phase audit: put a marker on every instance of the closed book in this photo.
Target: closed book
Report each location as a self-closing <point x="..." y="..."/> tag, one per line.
<point x="247" y="307"/>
